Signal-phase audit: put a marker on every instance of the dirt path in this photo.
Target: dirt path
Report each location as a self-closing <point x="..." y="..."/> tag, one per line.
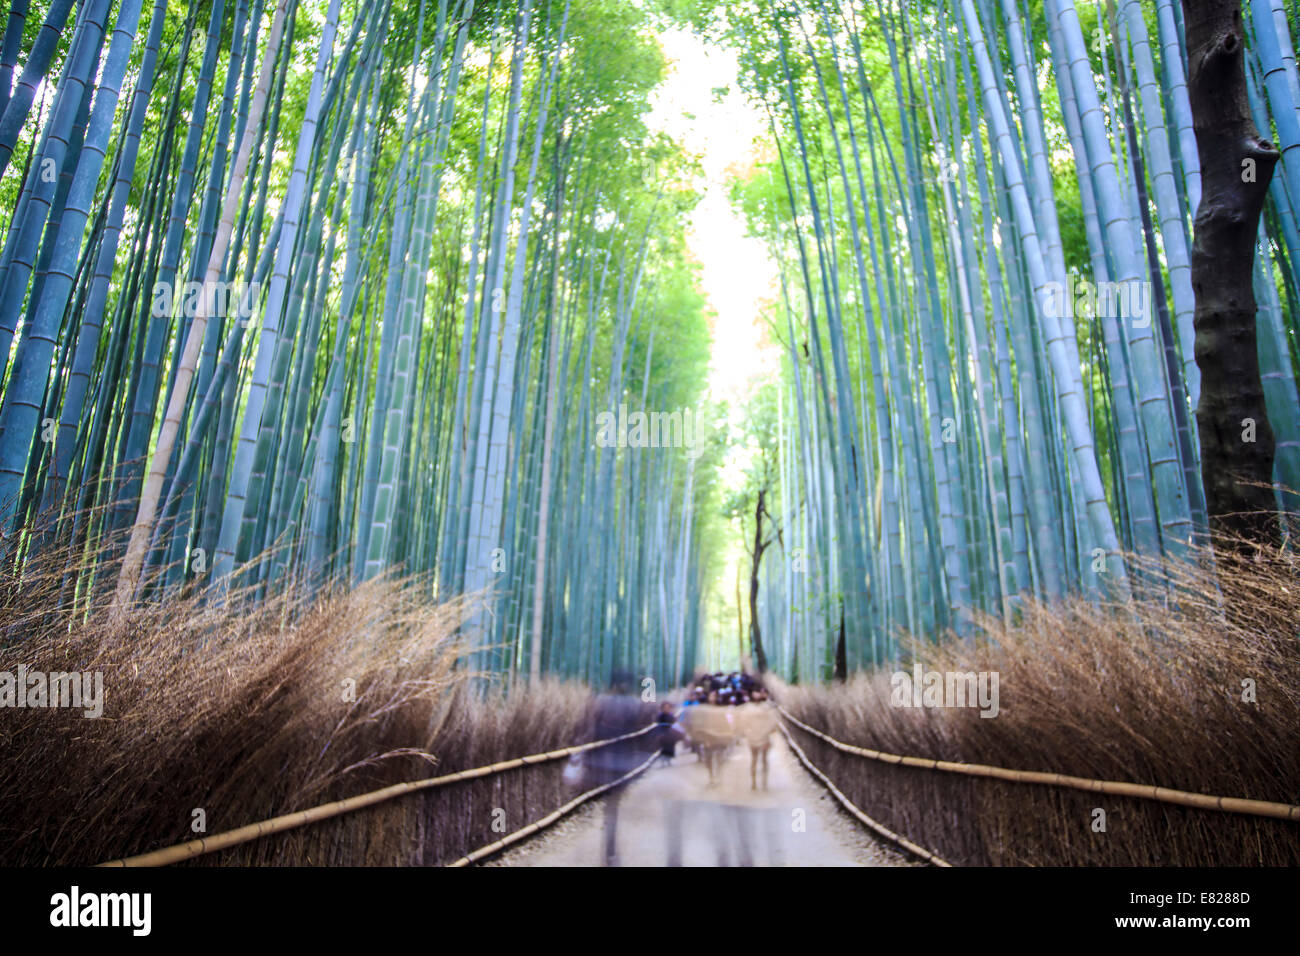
<point x="794" y="823"/>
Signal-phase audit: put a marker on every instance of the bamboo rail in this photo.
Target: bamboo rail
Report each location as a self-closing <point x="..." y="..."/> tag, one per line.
<point x="563" y="810"/>
<point x="551" y="817"/>
<point x="1201" y="801"/>
<point x="848" y="805"/>
<point x="290" y="821"/>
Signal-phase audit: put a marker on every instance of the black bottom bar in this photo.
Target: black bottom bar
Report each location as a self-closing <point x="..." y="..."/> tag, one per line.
<point x="956" y="907"/>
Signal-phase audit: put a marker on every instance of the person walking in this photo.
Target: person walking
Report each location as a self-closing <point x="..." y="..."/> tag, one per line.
<point x="616" y="712"/>
<point x="667" y="733"/>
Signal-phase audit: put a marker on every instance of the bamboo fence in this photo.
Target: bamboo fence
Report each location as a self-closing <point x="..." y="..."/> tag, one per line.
<point x="290" y="821"/>
<point x="1201" y="801"/>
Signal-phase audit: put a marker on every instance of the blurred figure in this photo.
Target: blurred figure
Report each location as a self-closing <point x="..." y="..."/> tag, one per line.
<point x="756" y="724"/>
<point x="616" y="712"/>
<point x="710" y="728"/>
<point x="668" y="733"/>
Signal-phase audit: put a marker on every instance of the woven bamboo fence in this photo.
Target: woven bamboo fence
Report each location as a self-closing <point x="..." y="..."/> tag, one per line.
<point x="290" y="821"/>
<point x="853" y="809"/>
<point x="1202" y="801"/>
<point x="551" y="817"/>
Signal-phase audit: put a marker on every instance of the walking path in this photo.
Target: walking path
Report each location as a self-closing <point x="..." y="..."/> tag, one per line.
<point x="793" y="823"/>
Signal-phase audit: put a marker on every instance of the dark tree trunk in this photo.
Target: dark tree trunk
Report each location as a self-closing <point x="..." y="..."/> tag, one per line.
<point x="1236" y="166"/>
<point x="841" y="652"/>
<point x="740" y="621"/>
<point x="755" y="635"/>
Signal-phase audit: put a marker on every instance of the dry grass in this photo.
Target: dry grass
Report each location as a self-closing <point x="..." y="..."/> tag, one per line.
<point x="1149" y="693"/>
<point x="242" y="713"/>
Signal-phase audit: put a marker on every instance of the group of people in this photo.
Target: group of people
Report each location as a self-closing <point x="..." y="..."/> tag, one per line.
<point x="618" y="712"/>
<point x="718" y="689"/>
<point x="731" y="689"/>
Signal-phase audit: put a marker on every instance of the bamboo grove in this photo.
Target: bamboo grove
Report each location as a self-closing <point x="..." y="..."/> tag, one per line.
<point x="298" y="294"/>
<point x="983" y="213"/>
